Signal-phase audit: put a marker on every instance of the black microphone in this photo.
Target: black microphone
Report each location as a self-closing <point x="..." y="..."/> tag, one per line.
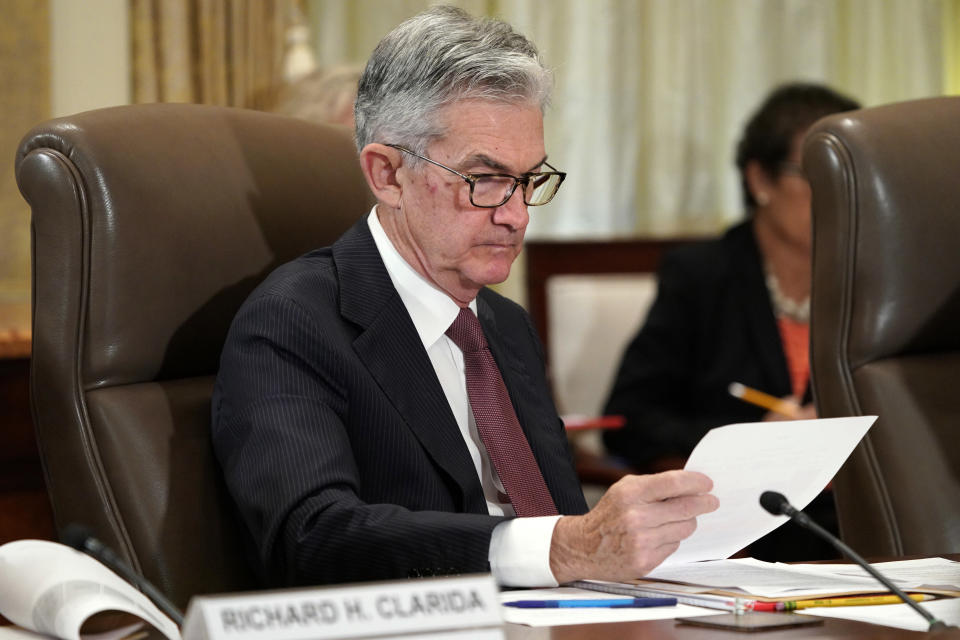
<point x="81" y="539"/>
<point x="777" y="504"/>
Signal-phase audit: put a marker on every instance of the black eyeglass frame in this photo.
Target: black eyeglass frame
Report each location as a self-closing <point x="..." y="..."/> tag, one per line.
<point x="472" y="178"/>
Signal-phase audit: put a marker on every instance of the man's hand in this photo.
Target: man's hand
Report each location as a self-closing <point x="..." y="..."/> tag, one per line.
<point x="635" y="526"/>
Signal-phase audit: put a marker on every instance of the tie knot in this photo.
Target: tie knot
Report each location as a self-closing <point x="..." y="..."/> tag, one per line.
<point x="466" y="332"/>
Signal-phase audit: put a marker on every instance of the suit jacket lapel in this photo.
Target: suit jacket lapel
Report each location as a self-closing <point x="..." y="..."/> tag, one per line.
<point x="391" y="349"/>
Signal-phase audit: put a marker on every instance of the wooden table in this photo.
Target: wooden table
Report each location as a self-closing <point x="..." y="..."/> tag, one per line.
<point x="671" y="630"/>
<point x="668" y="630"/>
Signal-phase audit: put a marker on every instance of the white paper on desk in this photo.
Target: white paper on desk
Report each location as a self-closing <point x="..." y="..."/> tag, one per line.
<point x="798" y="458"/>
<point x="932" y="573"/>
<point x="53" y="589"/>
<point x="767" y="579"/>
<point x="900" y="616"/>
<point x="16" y="633"/>
<point x="583" y="615"/>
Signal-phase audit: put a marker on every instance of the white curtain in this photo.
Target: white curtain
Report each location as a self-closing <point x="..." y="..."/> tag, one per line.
<point x="651" y="95"/>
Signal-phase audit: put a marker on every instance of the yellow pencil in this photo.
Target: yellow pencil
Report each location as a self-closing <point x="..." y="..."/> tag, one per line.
<point x="855" y="601"/>
<point x="764" y="400"/>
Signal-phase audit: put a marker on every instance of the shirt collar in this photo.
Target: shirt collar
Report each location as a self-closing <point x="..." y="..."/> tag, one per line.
<point x="431" y="310"/>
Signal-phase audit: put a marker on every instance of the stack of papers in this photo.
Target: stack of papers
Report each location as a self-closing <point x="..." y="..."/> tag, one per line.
<point x="929" y="574"/>
<point x="729" y="584"/>
<point x="778" y="581"/>
<point x="751" y="579"/>
<point x="798" y="459"/>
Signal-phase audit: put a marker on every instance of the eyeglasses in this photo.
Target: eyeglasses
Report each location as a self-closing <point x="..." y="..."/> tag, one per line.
<point x="491" y="190"/>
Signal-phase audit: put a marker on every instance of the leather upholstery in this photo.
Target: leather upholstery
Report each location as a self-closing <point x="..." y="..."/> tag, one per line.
<point x="886" y="317"/>
<point x="150" y="225"/>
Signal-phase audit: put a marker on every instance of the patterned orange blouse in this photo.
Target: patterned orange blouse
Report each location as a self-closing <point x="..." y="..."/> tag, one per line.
<point x="795" y="337"/>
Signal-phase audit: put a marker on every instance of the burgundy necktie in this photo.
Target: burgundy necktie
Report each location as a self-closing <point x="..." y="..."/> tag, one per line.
<point x="497" y="422"/>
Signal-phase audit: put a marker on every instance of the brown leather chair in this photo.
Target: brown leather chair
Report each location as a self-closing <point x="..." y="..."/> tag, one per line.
<point x="150" y="225"/>
<point x="886" y="317"/>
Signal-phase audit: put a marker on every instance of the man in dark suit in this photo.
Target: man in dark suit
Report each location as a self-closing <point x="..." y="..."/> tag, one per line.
<point x="361" y="423"/>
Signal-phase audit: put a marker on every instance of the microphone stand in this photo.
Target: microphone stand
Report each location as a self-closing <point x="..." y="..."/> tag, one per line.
<point x="81" y="539"/>
<point x="777" y="504"/>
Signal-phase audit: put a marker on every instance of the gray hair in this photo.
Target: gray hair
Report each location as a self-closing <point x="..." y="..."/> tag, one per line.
<point x="436" y="58"/>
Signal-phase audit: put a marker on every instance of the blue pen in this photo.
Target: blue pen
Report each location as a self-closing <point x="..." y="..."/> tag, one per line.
<point x="618" y="603"/>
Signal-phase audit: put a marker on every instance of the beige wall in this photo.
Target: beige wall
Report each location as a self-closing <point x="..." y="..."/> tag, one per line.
<point x="24" y="101"/>
<point x="57" y="57"/>
<point x="90" y="55"/>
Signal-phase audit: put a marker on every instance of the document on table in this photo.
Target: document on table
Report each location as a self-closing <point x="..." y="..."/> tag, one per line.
<point x="717" y="583"/>
<point x="56" y="590"/>
<point x="770" y="580"/>
<point x="900" y="616"/>
<point x="796" y="458"/>
<point x="556" y="617"/>
<point x="927" y="573"/>
<point x="16" y="633"/>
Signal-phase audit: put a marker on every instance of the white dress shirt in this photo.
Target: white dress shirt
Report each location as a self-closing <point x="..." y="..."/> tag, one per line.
<point x="520" y="548"/>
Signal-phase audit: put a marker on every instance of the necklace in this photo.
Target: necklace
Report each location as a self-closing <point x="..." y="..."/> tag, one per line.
<point x="784" y="306"/>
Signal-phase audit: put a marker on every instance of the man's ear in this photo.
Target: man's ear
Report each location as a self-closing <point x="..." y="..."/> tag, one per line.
<point x="379" y="164"/>
<point x="759" y="182"/>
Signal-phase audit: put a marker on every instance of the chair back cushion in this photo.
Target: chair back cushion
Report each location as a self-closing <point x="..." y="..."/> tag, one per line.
<point x="886" y="317"/>
<point x="150" y="225"/>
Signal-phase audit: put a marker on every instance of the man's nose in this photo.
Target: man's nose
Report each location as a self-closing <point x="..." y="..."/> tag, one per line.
<point x="513" y="213"/>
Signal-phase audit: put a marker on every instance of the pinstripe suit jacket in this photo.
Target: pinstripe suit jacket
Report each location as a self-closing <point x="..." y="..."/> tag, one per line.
<point x="335" y="437"/>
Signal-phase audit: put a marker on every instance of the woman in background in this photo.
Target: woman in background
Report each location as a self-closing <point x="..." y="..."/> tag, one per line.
<point x="734" y="309"/>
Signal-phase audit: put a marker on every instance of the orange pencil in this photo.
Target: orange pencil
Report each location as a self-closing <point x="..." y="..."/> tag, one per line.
<point x="764" y="400"/>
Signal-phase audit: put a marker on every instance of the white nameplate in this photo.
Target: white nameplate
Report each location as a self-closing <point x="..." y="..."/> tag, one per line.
<point x="371" y="609"/>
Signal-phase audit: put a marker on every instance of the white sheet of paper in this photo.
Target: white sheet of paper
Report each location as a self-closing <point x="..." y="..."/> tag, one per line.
<point x="16" y="633"/>
<point x="52" y="588"/>
<point x="929" y="572"/>
<point x="900" y="616"/>
<point x="797" y="458"/>
<point x="556" y="617"/>
<point x="766" y="579"/>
